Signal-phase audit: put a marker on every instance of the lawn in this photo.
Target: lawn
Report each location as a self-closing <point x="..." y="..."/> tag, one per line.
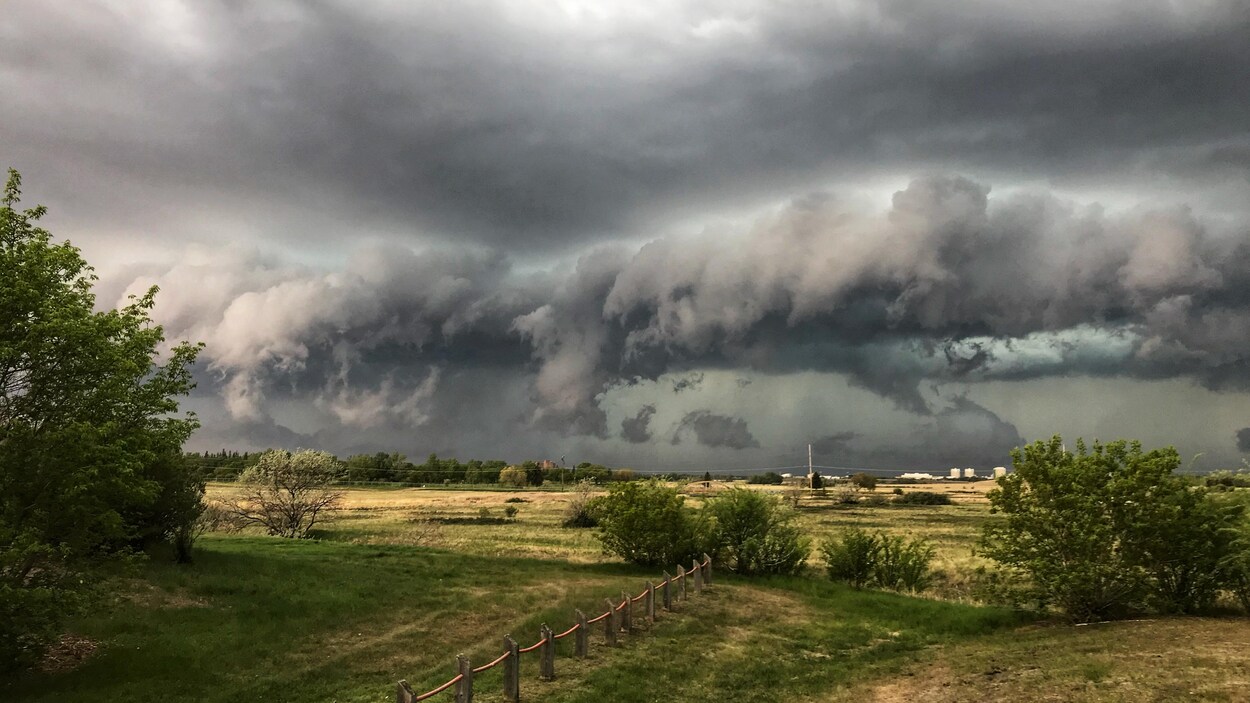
<point x="387" y="592"/>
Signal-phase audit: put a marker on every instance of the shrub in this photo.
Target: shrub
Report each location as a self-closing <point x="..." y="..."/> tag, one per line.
<point x="898" y="491"/>
<point x="852" y="557"/>
<point x="903" y="565"/>
<point x="513" y="476"/>
<point x="646" y="523"/>
<point x="510" y="512"/>
<point x="287" y="493"/>
<point x="860" y="558"/>
<point x="581" y="508"/>
<point x="768" y="478"/>
<point x="922" y="498"/>
<point x="516" y="499"/>
<point x="753" y="533"/>
<point x="864" y="481"/>
<point x="1106" y="531"/>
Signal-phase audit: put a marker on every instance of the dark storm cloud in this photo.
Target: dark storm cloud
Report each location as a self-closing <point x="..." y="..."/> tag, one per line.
<point x="636" y="429"/>
<point x="688" y="382"/>
<point x="524" y="126"/>
<point x="834" y="444"/>
<point x="712" y="430"/>
<point x="1243" y="440"/>
<point x="947" y="285"/>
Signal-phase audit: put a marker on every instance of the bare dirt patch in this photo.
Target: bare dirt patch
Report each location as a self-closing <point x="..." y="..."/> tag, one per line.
<point x="67" y="654"/>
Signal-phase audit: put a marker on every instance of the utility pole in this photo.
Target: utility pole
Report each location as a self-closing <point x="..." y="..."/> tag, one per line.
<point x="561" y="474"/>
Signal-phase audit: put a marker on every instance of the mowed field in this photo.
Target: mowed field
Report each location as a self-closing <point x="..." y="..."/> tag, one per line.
<point x="401" y="580"/>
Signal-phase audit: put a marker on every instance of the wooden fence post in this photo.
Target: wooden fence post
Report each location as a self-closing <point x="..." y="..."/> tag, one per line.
<point x="512" y="670"/>
<point x="464" y="687"/>
<point x="404" y="693"/>
<point x="650" y="601"/>
<point x="609" y="627"/>
<point x="581" y="644"/>
<point x="547" y="654"/>
<point x="707" y="569"/>
<point x="681" y="575"/>
<point x="698" y="578"/>
<point x="667" y="590"/>
<point x="627" y="615"/>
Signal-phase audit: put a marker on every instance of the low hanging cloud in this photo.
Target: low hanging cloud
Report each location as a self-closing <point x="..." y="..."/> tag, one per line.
<point x="838" y="443"/>
<point x="636" y="429"/>
<point x="712" y="430"/>
<point x="947" y="285"/>
<point x="1243" y="440"/>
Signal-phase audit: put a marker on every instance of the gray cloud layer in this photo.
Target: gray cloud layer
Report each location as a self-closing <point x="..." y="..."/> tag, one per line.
<point x="454" y="150"/>
<point x="947" y="285"/>
<point x="533" y="125"/>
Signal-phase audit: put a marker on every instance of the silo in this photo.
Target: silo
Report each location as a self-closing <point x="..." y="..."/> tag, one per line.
<point x="954" y="473"/>
<point x="1000" y="471"/>
<point x="970" y="473"/>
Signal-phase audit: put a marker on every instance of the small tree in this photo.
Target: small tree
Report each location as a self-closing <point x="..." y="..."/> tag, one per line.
<point x="286" y="493"/>
<point x="512" y="477"/>
<point x="580" y="512"/>
<point x="646" y="523"/>
<point x="753" y="533"/>
<point x="1106" y="530"/>
<point x="863" y="481"/>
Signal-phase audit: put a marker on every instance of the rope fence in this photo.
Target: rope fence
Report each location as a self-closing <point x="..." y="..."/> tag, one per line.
<point x="617" y="618"/>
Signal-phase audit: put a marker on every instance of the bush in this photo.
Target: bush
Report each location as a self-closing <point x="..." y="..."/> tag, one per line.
<point x="860" y="558"/>
<point x="923" y="498"/>
<point x="516" y="499"/>
<point x="287" y="493"/>
<point x="513" y="477"/>
<point x="646" y="523"/>
<point x="903" y="565"/>
<point x="1104" y="532"/>
<point x="510" y="512"/>
<point x="851" y="558"/>
<point x="864" y="481"/>
<point x="581" y="510"/>
<point x="768" y="478"/>
<point x="753" y="533"/>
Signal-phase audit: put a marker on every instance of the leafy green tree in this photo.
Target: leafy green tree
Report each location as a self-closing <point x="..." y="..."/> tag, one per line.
<point x="513" y="477"/>
<point x="1104" y="531"/>
<point x="533" y="473"/>
<point x="753" y="533"/>
<point x="647" y="523"/>
<point x="91" y="441"/>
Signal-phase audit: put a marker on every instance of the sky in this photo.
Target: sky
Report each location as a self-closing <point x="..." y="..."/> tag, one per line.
<point x="665" y="235"/>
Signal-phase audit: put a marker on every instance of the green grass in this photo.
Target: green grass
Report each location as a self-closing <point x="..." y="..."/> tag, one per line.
<point x="376" y="599"/>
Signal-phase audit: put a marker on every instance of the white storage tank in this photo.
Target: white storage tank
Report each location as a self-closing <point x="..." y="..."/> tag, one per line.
<point x="1000" y="471"/>
<point x="954" y="473"/>
<point x="970" y="473"/>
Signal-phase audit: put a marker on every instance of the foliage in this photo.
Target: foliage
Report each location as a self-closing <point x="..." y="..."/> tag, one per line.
<point x="922" y="498"/>
<point x="581" y="510"/>
<point x="768" y="478"/>
<point x="647" y="523"/>
<point x="513" y="477"/>
<point x="860" y="559"/>
<point x="90" y="436"/>
<point x="903" y="565"/>
<point x="863" y="481"/>
<point x="510" y="511"/>
<point x="852" y="557"/>
<point x="753" y="533"/>
<point x="287" y="493"/>
<point x="1105" y="531"/>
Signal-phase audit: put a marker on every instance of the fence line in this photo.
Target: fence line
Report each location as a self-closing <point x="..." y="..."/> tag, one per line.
<point x="618" y="617"/>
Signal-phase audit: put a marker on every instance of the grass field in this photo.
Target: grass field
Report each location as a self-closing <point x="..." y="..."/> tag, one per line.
<point x="386" y="592"/>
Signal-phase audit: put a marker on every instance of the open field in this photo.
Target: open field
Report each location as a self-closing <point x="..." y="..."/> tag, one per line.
<point x="385" y="594"/>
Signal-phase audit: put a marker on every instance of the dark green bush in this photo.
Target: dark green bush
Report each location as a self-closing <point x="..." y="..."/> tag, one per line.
<point x="861" y="559"/>
<point x="1111" y="530"/>
<point x="852" y="557"/>
<point x="646" y="523"/>
<point x="751" y="532"/>
<point x="923" y="498"/>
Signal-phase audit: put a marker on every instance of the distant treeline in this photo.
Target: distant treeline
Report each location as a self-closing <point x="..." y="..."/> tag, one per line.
<point x="395" y="468"/>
